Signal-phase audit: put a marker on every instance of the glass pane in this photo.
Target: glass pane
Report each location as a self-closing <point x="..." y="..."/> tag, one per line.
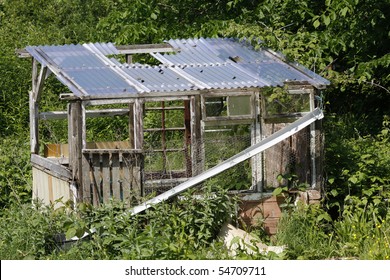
<point x="287" y="103"/>
<point x="216" y="106"/>
<point x="239" y="105"/>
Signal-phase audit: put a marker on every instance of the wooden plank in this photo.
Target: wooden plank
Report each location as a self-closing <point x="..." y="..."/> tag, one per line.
<point x="187" y="138"/>
<point x="139" y="121"/>
<point x="97" y="172"/>
<point x="256" y="137"/>
<point x="106" y="172"/>
<point x="87" y="180"/>
<point x="195" y="117"/>
<point x="131" y="125"/>
<point x="51" y="166"/>
<point x="165" y="129"/>
<point x="126" y="166"/>
<point x="115" y="176"/>
<point x="136" y="179"/>
<point x="34" y="140"/>
<point x="75" y="144"/>
<point x="59" y="115"/>
<point x="173" y="108"/>
<point x="56" y="150"/>
<point x="123" y="49"/>
<point x="146" y="48"/>
<point x="38" y="84"/>
<point x="104" y="151"/>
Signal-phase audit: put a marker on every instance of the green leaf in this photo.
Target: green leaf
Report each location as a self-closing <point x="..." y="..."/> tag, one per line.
<point x="353" y="179"/>
<point x="334" y="192"/>
<point x="277" y="191"/>
<point x="153" y="16"/>
<point x="70" y="233"/>
<point x="327" y="20"/>
<point x="316" y="23"/>
<point x="344" y="11"/>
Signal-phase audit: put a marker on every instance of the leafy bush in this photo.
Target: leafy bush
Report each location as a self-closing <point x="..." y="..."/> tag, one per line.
<point x="364" y="230"/>
<point x="27" y="231"/>
<point x="306" y="232"/>
<point x="15" y="171"/>
<point x="358" y="167"/>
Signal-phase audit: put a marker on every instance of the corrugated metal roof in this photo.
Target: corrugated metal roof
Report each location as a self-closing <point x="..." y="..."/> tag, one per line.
<point x="200" y="64"/>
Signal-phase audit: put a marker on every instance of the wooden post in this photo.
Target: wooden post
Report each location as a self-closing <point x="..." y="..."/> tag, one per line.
<point x="256" y="136"/>
<point x="187" y="137"/>
<point x="195" y="114"/>
<point x="139" y="121"/>
<point x="75" y="131"/>
<point x="34" y="117"/>
<point x="131" y="125"/>
<point x="313" y="146"/>
<point x="34" y="98"/>
<point x="139" y="136"/>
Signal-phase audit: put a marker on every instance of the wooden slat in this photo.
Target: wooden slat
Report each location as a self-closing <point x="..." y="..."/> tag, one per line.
<point x="34" y="140"/>
<point x="106" y="177"/>
<point x="164" y="129"/>
<point x="58" y="115"/>
<point x="115" y="176"/>
<point x="145" y="48"/>
<point x="165" y="108"/>
<point x="126" y="176"/>
<point x="51" y="167"/>
<point x="139" y="124"/>
<point x="97" y="172"/>
<point x="105" y="151"/>
<point x="88" y="195"/>
<point x="136" y="180"/>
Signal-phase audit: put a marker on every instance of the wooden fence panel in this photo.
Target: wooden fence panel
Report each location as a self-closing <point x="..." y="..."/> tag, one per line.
<point x="111" y="174"/>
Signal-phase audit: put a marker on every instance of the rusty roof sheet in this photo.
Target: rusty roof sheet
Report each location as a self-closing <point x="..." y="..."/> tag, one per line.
<point x="90" y="71"/>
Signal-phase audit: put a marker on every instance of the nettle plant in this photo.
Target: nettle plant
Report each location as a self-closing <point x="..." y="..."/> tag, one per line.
<point x="362" y="170"/>
<point x="183" y="228"/>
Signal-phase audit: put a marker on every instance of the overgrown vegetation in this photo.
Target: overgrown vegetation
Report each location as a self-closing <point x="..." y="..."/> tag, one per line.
<point x="345" y="41"/>
<point x="182" y="229"/>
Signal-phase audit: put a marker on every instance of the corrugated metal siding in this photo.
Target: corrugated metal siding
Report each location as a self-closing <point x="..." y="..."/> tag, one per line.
<point x="200" y="64"/>
<point x="49" y="188"/>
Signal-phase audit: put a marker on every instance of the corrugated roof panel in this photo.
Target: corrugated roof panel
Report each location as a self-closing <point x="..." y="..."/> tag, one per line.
<point x="159" y="78"/>
<point x="222" y="76"/>
<point x="320" y="80"/>
<point x="191" y="53"/>
<point x="100" y="80"/>
<point x="106" y="48"/>
<point x="200" y="64"/>
<point x="83" y="71"/>
<point x="213" y="51"/>
<point x="230" y="48"/>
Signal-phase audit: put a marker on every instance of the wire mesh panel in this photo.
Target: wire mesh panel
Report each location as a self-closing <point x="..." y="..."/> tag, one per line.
<point x="221" y="143"/>
<point x="166" y="145"/>
<point x="289" y="160"/>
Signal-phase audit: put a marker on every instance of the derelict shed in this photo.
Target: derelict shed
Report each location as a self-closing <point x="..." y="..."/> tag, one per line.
<point x="179" y="118"/>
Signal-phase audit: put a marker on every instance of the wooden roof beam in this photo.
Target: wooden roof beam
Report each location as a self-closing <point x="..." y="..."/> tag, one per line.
<point x="123" y="49"/>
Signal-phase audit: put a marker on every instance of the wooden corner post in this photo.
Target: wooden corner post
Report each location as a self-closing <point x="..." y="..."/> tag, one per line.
<point x="75" y="140"/>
